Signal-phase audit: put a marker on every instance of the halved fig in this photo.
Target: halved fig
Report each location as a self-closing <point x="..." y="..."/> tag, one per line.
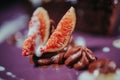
<point x="60" y="37"/>
<point x="38" y="31"/>
<point x="44" y="27"/>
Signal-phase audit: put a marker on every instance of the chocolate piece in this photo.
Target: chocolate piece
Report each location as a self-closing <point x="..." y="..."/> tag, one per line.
<point x="71" y="51"/>
<point x="103" y="65"/>
<point x="83" y="63"/>
<point x="79" y="57"/>
<point x="59" y="58"/>
<point x="73" y="56"/>
<point x="49" y="58"/>
<point x="89" y="55"/>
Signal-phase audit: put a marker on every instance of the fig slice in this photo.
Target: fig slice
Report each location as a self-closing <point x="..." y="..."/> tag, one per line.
<point x="44" y="28"/>
<point x="38" y="33"/>
<point x="60" y="37"/>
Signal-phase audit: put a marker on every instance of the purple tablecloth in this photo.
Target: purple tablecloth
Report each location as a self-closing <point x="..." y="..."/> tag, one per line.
<point x="11" y="59"/>
<point x="18" y="67"/>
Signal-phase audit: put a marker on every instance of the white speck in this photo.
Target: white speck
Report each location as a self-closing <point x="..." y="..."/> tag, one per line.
<point x="118" y="71"/>
<point x="20" y="38"/>
<point x="115" y="1"/>
<point x="21" y="79"/>
<point x="36" y="3"/>
<point x="75" y="55"/>
<point x="13" y="76"/>
<point x="55" y="57"/>
<point x="106" y="49"/>
<point x="1" y="78"/>
<point x="80" y="41"/>
<point x="86" y="76"/>
<point x="116" y="43"/>
<point x="80" y="63"/>
<point x="38" y="53"/>
<point x="72" y="1"/>
<point x="112" y="65"/>
<point x="96" y="73"/>
<point x="8" y="73"/>
<point x="19" y="42"/>
<point x="2" y="68"/>
<point x="65" y="48"/>
<point x="117" y="74"/>
<point x="57" y="69"/>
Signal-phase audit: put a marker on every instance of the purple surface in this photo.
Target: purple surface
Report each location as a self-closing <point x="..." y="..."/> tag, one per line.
<point x="11" y="59"/>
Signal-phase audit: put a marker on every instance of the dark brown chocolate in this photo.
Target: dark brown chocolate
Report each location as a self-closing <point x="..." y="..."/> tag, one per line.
<point x="79" y="57"/>
<point x="59" y="58"/>
<point x="73" y="56"/>
<point x="103" y="65"/>
<point x="83" y="63"/>
<point x="71" y="51"/>
<point x="48" y="59"/>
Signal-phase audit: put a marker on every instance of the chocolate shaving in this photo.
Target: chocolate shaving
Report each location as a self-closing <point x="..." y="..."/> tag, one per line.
<point x="83" y="63"/>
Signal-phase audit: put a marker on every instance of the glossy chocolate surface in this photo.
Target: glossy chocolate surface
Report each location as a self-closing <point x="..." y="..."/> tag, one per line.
<point x="79" y="57"/>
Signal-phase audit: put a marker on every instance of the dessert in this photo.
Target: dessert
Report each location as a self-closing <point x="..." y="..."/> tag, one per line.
<point x="78" y="57"/>
<point x="101" y="69"/>
<point x="59" y="48"/>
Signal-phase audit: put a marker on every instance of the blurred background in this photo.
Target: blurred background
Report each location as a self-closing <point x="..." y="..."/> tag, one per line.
<point x="97" y="27"/>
